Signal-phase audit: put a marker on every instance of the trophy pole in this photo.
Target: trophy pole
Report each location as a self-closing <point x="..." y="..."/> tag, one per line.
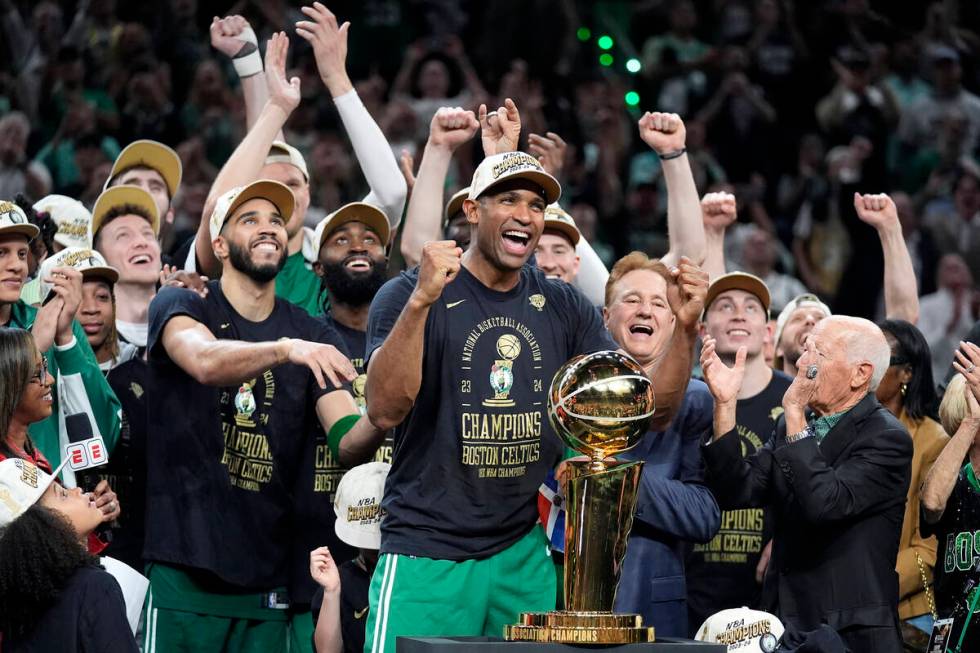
<point x="598" y="518"/>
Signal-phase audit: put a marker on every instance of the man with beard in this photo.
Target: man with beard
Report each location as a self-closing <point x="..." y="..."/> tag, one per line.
<point x="460" y="353"/>
<point x="242" y="377"/>
<point x="352" y="267"/>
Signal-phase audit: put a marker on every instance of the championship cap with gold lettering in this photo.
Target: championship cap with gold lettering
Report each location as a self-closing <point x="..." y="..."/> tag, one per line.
<point x="499" y="168"/>
<point x="357" y="504"/>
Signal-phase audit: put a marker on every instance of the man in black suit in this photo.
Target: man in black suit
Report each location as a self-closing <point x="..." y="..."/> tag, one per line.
<point x="836" y="485"/>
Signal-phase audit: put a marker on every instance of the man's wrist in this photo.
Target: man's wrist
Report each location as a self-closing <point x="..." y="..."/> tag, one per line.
<point x="64" y="341"/>
<point x="337" y="84"/>
<point x="418" y="301"/>
<point x="806" y="432"/>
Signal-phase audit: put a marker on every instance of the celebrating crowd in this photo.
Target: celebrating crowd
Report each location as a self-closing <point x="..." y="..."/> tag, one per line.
<point x="312" y="410"/>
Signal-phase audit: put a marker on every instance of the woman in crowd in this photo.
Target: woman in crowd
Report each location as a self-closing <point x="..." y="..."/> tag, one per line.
<point x="950" y="501"/>
<point x="908" y="391"/>
<point x="54" y="596"/>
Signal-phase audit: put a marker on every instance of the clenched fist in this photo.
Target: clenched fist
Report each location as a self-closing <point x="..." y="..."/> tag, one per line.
<point x="451" y="127"/>
<point x="718" y="211"/>
<point x="687" y="292"/>
<point x="441" y="260"/>
<point x="876" y="210"/>
<point x="663" y="132"/>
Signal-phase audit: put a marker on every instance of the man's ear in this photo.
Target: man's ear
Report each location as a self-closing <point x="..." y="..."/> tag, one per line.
<point x="318" y="268"/>
<point x="471" y="210"/>
<point x="605" y="317"/>
<point x="220" y="247"/>
<point x="862" y="374"/>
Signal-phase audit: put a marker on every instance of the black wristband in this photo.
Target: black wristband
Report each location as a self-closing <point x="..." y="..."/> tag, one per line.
<point x="672" y="155"/>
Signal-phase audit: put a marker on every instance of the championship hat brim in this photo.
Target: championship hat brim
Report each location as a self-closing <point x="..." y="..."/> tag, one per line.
<point x="150" y="154"/>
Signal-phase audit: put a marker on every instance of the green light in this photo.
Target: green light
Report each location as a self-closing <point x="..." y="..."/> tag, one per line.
<point x="633" y="65"/>
<point x="605" y="42"/>
<point x="632" y="98"/>
<point x="583" y="33"/>
<point x="606" y="59"/>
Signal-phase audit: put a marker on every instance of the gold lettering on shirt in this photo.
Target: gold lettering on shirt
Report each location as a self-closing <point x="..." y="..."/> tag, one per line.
<point x="247" y="455"/>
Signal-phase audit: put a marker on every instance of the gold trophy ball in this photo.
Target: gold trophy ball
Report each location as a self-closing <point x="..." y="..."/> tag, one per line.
<point x="600" y="404"/>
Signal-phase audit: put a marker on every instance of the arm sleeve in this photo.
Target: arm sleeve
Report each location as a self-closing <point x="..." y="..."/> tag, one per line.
<point x="388" y="188"/>
<point x="592" y="274"/>
<point x="876" y="469"/>
<point x="82" y="388"/>
<point x="683" y="507"/>
<point x="103" y="624"/>
<point x="385" y="309"/>
<point x="169" y="303"/>
<point x="737" y="481"/>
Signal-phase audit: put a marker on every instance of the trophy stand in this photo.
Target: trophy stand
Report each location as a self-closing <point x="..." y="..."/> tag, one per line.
<point x="600" y="500"/>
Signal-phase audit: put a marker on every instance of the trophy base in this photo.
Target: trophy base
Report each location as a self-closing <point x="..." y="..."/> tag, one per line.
<point x="566" y="627"/>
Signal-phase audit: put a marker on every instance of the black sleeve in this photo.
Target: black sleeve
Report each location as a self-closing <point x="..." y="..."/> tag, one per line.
<point x="386" y="308"/>
<point x="322" y="332"/>
<point x="169" y="303"/>
<point x="585" y="320"/>
<point x="738" y="481"/>
<point x="103" y="625"/>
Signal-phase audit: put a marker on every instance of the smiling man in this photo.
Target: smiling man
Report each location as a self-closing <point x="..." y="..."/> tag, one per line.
<point x="124" y="229"/>
<point x="729" y="569"/>
<point x="242" y="378"/>
<point x="555" y="253"/>
<point x="461" y="351"/>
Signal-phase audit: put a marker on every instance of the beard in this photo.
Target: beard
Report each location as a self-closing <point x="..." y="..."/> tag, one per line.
<point x="241" y="261"/>
<point x="354" y="289"/>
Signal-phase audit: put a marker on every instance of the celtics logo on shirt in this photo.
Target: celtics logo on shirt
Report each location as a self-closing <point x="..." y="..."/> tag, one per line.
<point x="244" y="417"/>
<point x="245" y="404"/>
<point x="502" y="410"/>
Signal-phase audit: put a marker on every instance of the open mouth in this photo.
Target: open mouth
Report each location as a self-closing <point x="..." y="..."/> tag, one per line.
<point x="738" y="333"/>
<point x="641" y="329"/>
<point x="553" y="276"/>
<point x="47" y="398"/>
<point x="516" y="241"/>
<point x="266" y="246"/>
<point x="358" y="264"/>
<point x="92" y="328"/>
<point x="140" y="259"/>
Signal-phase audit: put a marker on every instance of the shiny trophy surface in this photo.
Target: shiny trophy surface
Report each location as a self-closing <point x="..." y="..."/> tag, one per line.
<point x="599" y="404"/>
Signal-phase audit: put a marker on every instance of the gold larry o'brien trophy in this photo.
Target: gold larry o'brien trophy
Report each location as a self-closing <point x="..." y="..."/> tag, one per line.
<point x="599" y="404"/>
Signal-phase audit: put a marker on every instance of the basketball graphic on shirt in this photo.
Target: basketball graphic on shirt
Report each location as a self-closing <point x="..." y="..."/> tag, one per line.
<point x="508" y="346"/>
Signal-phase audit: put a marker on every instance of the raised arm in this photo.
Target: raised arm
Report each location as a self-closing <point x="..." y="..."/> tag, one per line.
<point x="718" y="212"/>
<point x="210" y="361"/>
<point x="449" y="129"/>
<point x="901" y="288"/>
<point x="665" y="134"/>
<point x="394" y="373"/>
<point x="351" y="436"/>
<point x="327" y="635"/>
<point x="245" y="163"/>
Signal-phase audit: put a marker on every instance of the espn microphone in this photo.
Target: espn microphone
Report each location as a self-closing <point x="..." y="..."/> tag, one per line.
<point x="78" y="427"/>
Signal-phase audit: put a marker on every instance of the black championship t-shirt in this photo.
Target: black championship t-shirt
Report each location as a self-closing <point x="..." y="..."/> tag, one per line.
<point x="317" y="482"/>
<point x="721" y="573"/>
<point x="221" y="461"/>
<point x="355" y="581"/>
<point x="957" y="557"/>
<point x="470" y="455"/>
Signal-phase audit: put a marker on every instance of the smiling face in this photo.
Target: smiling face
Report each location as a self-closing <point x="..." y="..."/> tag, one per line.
<point x="149" y="180"/>
<point x="76" y="507"/>
<point x="129" y="245"/>
<point x="14" y="253"/>
<point x="292" y="177"/>
<point x="556" y="256"/>
<point x="734" y="319"/>
<point x="509" y="220"/>
<point x="838" y="379"/>
<point x="96" y="313"/>
<point x="36" y="401"/>
<point x="638" y="315"/>
<point x="254" y="240"/>
<point x="800" y="323"/>
<point x="353" y="264"/>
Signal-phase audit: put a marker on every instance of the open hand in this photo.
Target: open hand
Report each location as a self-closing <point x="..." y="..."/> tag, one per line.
<point x="329" y="45"/>
<point x="325" y="361"/>
<point x="549" y="150"/>
<point x="283" y="92"/>
<point x="324" y="571"/>
<point x="724" y="382"/>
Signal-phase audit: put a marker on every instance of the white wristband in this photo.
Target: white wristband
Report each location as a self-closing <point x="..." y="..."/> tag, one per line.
<point x="251" y="63"/>
<point x="71" y="343"/>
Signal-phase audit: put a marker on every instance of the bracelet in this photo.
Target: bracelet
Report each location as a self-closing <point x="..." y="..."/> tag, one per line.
<point x="673" y="155"/>
<point x="807" y="432"/>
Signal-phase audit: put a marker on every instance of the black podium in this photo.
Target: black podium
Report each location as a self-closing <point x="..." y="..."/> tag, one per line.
<point x="494" y="645"/>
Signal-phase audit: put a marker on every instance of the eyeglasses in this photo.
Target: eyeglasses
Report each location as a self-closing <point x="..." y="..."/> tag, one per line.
<point x="41" y="376"/>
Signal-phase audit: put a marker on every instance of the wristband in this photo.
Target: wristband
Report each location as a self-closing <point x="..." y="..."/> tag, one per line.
<point x="337" y="432"/>
<point x="673" y="155"/>
<point x="71" y="343"/>
<point x="247" y="62"/>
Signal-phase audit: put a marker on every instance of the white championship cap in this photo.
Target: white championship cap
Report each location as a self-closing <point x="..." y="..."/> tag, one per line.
<point x="742" y="630"/>
<point x="21" y="484"/>
<point x="13" y="220"/>
<point x="278" y="194"/>
<point x="358" y="505"/>
<point x="70" y="215"/>
<point x="84" y="259"/>
<point x="499" y="168"/>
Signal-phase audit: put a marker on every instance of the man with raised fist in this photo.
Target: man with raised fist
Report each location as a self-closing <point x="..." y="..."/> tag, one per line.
<point x="460" y="353"/>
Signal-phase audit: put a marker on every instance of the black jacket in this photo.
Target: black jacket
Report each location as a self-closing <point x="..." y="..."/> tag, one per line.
<point x="88" y="616"/>
<point x="838" y="509"/>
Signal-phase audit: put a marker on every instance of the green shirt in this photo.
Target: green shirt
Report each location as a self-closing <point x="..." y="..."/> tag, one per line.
<point x="79" y="387"/>
<point x="822" y="425"/>
<point x="298" y="284"/>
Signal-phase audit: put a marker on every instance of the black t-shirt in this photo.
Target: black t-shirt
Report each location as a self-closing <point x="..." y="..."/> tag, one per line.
<point x="355" y="582"/>
<point x="957" y="556"/>
<point x="721" y="573"/>
<point x="126" y="470"/>
<point x="470" y="455"/>
<point x="221" y="461"/>
<point x="89" y="614"/>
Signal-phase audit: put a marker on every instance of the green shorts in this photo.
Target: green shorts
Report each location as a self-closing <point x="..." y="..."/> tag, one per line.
<point x="182" y="616"/>
<point x="422" y="597"/>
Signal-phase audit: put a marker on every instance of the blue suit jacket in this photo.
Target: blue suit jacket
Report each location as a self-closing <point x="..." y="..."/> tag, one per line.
<point x="673" y="507"/>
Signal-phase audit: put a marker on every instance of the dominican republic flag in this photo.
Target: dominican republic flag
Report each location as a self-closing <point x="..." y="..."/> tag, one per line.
<point x="551" y="509"/>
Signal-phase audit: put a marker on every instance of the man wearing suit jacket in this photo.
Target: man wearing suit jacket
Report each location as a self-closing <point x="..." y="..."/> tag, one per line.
<point x="837" y="485"/>
<point x="673" y="506"/>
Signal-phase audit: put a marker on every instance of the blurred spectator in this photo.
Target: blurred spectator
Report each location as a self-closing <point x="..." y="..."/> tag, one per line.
<point x="904" y="81"/>
<point x="30" y="50"/>
<point x="920" y="243"/>
<point x="70" y="88"/>
<point x="72" y="154"/>
<point x="677" y="58"/>
<point x="945" y="316"/>
<point x="18" y="174"/>
<point x="955" y="225"/>
<point x="759" y="255"/>
<point x="208" y="112"/>
<point x="804" y="190"/>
